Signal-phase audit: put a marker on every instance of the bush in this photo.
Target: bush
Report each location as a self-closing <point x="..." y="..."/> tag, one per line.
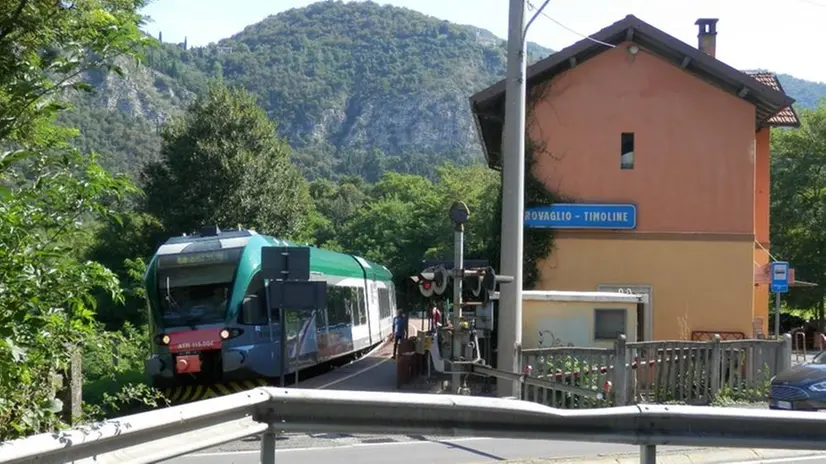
<point x="114" y="382"/>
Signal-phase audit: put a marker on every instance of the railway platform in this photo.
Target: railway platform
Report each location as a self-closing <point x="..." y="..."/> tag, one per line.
<point x="376" y="371"/>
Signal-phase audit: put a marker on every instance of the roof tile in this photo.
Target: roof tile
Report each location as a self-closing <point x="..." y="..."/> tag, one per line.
<point x="787" y="115"/>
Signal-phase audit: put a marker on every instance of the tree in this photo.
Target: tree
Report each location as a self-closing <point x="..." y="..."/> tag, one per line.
<point x="798" y="206"/>
<point x="222" y="163"/>
<point x="135" y="237"/>
<point x="46" y="45"/>
<point x="49" y="192"/>
<point x="405" y="219"/>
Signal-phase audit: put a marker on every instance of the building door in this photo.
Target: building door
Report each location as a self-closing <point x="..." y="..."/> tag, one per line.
<point x="645" y="312"/>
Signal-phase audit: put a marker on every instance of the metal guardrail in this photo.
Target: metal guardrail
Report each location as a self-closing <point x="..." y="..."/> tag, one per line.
<point x="167" y="433"/>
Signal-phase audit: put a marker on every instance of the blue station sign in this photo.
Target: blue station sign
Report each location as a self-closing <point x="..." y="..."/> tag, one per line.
<point x="582" y="216"/>
<point x="780" y="277"/>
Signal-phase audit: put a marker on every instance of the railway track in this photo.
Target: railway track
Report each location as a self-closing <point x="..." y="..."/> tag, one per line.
<point x="188" y="393"/>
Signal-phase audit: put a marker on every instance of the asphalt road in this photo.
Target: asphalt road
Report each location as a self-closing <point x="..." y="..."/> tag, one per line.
<point x="435" y="450"/>
<point x="409" y="450"/>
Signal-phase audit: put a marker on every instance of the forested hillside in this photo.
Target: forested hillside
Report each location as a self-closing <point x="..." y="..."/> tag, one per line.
<point x="807" y="93"/>
<point x="356" y="89"/>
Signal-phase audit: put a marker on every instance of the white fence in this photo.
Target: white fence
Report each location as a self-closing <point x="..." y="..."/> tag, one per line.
<point x="167" y="433"/>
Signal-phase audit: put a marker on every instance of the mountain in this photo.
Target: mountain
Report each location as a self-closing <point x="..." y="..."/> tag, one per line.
<point x="356" y="88"/>
<point x="807" y="93"/>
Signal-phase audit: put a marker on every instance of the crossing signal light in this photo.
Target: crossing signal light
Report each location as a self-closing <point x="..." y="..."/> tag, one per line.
<point x="434" y="282"/>
<point x="478" y="284"/>
<point x="440" y="280"/>
<point x="426" y="288"/>
<point x="481" y="285"/>
<point x="472" y="288"/>
<point x="491" y="280"/>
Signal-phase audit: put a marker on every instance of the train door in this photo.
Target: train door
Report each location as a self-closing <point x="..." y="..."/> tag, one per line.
<point x="358" y="305"/>
<point x="387" y="304"/>
<point x="374" y="308"/>
<point x="261" y="329"/>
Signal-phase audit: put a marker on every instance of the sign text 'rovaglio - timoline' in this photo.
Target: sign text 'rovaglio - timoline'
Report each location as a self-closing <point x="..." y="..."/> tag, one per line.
<point x="582" y="216"/>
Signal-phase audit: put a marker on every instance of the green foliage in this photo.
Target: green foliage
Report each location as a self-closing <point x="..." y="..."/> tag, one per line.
<point x="807" y="94"/>
<point x="49" y="192"/>
<point x="125" y="142"/>
<point x="538" y="243"/>
<point x="45" y="45"/>
<point x="222" y="163"/>
<point x="114" y="382"/>
<point x="357" y="88"/>
<point x="360" y="88"/>
<point x="124" y="246"/>
<point x="798" y="204"/>
<point x="403" y="218"/>
<point x="46" y="297"/>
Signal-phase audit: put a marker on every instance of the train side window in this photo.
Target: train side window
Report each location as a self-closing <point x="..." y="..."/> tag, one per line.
<point x="254" y="306"/>
<point x="347" y="296"/>
<point x="358" y="294"/>
<point x="382" y="309"/>
<point x="336" y="306"/>
<point x="384" y="303"/>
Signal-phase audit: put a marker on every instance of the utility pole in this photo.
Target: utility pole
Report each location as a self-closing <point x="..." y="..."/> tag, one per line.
<point x="459" y="215"/>
<point x="513" y="197"/>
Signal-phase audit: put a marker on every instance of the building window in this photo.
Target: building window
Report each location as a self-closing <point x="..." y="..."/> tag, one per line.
<point x="609" y="323"/>
<point x="627" y="150"/>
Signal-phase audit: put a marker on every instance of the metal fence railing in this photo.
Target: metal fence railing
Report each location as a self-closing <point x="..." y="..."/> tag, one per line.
<point x="167" y="433"/>
<point x="692" y="372"/>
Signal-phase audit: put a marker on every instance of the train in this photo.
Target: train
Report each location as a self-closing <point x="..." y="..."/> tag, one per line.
<point x="209" y="323"/>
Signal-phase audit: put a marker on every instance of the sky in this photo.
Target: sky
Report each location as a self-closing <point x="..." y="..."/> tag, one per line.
<point x="750" y="34"/>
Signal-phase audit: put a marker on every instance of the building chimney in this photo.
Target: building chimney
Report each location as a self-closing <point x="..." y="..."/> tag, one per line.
<point x="707" y="37"/>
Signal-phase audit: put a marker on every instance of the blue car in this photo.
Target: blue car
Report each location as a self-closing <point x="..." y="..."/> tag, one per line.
<point x="801" y="388"/>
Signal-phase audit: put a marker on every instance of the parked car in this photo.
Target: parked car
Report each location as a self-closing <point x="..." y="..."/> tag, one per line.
<point x="802" y="387"/>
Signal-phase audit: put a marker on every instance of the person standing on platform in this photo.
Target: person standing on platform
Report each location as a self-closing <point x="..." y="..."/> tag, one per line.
<point x="435" y="316"/>
<point x="399" y="330"/>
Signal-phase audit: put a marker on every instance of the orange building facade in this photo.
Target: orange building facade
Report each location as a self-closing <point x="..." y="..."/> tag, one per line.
<point x="663" y="131"/>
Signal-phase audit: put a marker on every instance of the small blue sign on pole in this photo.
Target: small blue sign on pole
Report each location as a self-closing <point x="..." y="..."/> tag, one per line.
<point x="582" y="216"/>
<point x="780" y="277"/>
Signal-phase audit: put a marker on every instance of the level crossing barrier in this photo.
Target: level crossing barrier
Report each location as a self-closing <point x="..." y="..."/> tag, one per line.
<point x="170" y="432"/>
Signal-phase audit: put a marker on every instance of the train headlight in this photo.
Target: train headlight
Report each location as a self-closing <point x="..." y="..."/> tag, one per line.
<point x="165" y="339"/>
<point x="224" y="334"/>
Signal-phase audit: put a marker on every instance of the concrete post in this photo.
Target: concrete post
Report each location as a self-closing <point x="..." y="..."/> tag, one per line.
<point x="71" y="393"/>
<point x="620" y="377"/>
<point x="784" y="358"/>
<point x="513" y="201"/>
<point x="716" y="365"/>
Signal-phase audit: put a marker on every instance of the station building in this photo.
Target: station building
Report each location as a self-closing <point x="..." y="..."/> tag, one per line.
<point x="687" y="221"/>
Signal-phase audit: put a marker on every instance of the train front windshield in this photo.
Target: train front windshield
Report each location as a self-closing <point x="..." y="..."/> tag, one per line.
<point x="194" y="293"/>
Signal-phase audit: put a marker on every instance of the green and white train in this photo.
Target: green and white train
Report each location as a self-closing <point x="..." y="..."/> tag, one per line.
<point x="209" y="322"/>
